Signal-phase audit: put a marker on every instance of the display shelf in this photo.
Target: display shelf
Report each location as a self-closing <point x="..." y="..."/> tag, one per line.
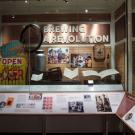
<point x="60" y="103"/>
<point x="61" y="88"/>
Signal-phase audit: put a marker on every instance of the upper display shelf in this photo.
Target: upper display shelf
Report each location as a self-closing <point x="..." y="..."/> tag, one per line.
<point x="58" y="50"/>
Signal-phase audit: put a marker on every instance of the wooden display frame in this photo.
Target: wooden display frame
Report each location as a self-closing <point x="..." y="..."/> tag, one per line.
<point x="99" y="52"/>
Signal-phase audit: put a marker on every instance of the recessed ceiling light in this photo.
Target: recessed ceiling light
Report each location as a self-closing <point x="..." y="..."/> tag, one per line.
<point x="26" y="1"/>
<point x="86" y="10"/>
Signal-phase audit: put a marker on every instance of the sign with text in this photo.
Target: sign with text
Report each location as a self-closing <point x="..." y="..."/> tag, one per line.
<point x="76" y="33"/>
<point x="12" y="71"/>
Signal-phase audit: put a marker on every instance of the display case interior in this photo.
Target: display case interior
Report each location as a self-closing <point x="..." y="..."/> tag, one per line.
<point x="63" y="46"/>
<point x="69" y="62"/>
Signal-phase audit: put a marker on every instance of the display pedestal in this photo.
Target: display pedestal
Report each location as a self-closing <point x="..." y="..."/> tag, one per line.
<point x="74" y="112"/>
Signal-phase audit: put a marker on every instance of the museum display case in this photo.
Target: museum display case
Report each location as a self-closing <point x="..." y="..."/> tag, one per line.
<point x="67" y="62"/>
<point x="57" y="46"/>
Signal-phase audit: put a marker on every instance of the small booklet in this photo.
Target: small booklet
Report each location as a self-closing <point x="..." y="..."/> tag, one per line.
<point x="101" y="74"/>
<point x="71" y="73"/>
<point x="36" y="77"/>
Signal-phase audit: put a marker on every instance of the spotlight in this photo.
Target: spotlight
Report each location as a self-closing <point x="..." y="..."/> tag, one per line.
<point x="86" y="10"/>
<point x="26" y="1"/>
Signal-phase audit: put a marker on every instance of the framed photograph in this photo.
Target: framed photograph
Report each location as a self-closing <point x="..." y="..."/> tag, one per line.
<point x="81" y="60"/>
<point x="58" y="55"/>
<point x="99" y="52"/>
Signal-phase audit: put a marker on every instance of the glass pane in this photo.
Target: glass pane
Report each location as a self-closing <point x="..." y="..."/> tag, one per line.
<point x="68" y="42"/>
<point x="120" y="42"/>
<point x="133" y="42"/>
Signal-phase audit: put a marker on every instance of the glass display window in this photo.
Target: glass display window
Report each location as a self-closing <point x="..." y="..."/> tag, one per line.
<point x="63" y="42"/>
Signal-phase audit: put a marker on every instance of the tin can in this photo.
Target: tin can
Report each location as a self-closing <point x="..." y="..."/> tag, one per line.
<point x="39" y="61"/>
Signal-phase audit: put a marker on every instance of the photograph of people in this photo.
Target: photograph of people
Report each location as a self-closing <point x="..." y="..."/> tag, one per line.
<point x="88" y="62"/>
<point x="99" y="102"/>
<point x="107" y="106"/>
<point x="58" y="55"/>
<point x="81" y="60"/>
<point x="75" y="106"/>
<point x="103" y="103"/>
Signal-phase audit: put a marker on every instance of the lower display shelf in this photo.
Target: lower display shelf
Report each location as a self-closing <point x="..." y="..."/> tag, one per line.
<point x="60" y="103"/>
<point x="56" y="112"/>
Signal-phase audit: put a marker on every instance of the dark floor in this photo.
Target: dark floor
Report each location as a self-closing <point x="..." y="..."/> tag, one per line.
<point x="62" y="134"/>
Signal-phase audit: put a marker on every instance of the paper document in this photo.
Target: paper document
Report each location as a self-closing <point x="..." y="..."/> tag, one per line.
<point x="37" y="77"/>
<point x="90" y="73"/>
<point x="101" y="74"/>
<point x="129" y="118"/>
<point x="71" y="73"/>
<point x="108" y="72"/>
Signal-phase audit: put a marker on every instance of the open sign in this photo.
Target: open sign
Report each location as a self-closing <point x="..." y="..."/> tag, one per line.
<point x="11" y="61"/>
<point x="13" y="71"/>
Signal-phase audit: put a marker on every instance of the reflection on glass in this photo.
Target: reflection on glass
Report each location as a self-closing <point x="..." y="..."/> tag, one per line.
<point x="77" y="36"/>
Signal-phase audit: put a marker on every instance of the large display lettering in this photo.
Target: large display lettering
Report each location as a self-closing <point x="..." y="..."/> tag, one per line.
<point x="76" y="33"/>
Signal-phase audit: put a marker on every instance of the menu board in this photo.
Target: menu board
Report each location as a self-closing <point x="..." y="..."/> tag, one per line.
<point x="13" y="71"/>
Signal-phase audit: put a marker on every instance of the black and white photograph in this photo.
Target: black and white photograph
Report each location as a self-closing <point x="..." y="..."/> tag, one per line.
<point x="75" y="106"/>
<point x="129" y="116"/>
<point x="2" y="101"/>
<point x="103" y="103"/>
<point x="81" y="60"/>
<point x="2" y="104"/>
<point x="58" y="55"/>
